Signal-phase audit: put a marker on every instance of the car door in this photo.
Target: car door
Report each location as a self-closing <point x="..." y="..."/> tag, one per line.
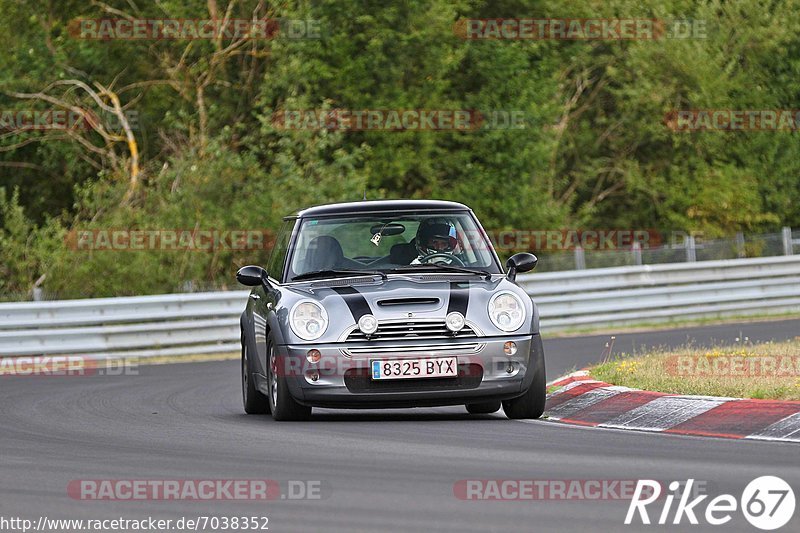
<point x="266" y="301"/>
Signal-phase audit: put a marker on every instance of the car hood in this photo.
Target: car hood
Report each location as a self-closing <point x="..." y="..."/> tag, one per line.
<point x="413" y="297"/>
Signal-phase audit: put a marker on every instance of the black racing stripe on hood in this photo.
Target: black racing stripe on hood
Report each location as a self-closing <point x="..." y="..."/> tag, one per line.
<point x="459" y="297"/>
<point x="355" y="301"/>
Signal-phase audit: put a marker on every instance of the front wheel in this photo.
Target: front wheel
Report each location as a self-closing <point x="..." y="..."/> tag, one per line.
<point x="531" y="404"/>
<point x="281" y="403"/>
<point x="254" y="402"/>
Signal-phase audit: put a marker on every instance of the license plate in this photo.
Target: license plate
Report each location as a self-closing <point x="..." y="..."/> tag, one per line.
<point x="439" y="367"/>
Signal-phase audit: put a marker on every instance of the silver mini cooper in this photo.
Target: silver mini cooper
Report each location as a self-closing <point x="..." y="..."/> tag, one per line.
<point x="381" y="304"/>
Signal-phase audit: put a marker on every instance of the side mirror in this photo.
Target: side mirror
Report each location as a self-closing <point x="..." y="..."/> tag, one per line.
<point x="252" y="276"/>
<point x="521" y="262"/>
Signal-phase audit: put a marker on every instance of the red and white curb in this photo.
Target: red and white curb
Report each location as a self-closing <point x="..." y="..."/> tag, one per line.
<point x="581" y="400"/>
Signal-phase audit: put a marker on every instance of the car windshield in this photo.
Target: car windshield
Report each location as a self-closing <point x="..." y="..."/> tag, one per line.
<point x="380" y="243"/>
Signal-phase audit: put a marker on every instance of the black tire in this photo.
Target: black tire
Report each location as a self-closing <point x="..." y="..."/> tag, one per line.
<point x="282" y="405"/>
<point x="254" y="402"/>
<point x="531" y="404"/>
<point x="483" y="408"/>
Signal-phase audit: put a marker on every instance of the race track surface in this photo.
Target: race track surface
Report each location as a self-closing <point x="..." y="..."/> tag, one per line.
<point x="379" y="470"/>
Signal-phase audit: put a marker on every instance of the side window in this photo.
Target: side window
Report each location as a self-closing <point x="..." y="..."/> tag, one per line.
<point x="278" y="256"/>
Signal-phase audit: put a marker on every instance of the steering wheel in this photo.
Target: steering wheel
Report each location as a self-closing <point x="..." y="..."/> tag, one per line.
<point x="445" y="255"/>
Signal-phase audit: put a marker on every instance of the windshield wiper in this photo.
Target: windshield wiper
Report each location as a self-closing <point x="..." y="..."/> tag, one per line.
<point x="439" y="266"/>
<point x="337" y="272"/>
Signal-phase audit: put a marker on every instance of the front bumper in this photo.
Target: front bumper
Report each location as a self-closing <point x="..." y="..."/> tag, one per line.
<point x="342" y="377"/>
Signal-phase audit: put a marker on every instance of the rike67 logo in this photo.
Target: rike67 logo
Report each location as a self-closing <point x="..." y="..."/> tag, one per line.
<point x="767" y="502"/>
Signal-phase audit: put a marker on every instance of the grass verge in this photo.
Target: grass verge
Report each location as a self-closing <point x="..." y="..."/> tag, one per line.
<point x="763" y="371"/>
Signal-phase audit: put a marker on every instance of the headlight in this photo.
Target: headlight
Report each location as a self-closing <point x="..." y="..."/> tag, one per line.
<point x="506" y="311"/>
<point x="308" y="320"/>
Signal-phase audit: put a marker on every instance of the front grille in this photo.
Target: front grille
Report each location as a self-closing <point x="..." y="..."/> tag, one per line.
<point x="469" y="376"/>
<point x="411" y="330"/>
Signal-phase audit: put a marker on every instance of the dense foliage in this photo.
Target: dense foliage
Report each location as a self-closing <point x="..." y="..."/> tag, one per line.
<point x="595" y="151"/>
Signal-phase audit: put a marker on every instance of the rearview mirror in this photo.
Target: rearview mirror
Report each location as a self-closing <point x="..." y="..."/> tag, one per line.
<point x="251" y="276"/>
<point x="388" y="230"/>
<point x="521" y="262"/>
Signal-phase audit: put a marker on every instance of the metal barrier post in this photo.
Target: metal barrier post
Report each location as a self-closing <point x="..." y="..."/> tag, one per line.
<point x="741" y="252"/>
<point x="691" y="254"/>
<point x="787" y="241"/>
<point x="637" y="253"/>
<point x="580" y="258"/>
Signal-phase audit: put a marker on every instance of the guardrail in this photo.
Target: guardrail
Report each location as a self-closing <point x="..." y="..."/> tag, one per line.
<point x="140" y="326"/>
<point x="174" y="324"/>
<point x="667" y="292"/>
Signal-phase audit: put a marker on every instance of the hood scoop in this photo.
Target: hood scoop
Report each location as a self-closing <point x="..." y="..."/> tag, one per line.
<point x="389" y="302"/>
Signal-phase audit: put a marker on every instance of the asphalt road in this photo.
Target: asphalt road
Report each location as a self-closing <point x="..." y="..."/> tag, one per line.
<point x="378" y="470"/>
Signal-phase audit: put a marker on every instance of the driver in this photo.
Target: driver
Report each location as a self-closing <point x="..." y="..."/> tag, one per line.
<point x="436" y="236"/>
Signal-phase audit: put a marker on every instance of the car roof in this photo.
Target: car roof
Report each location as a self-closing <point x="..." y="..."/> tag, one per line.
<point x="379" y="206"/>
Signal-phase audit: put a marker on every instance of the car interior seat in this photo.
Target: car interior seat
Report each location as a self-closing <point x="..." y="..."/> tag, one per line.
<point x="403" y="253"/>
<point x="325" y="253"/>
